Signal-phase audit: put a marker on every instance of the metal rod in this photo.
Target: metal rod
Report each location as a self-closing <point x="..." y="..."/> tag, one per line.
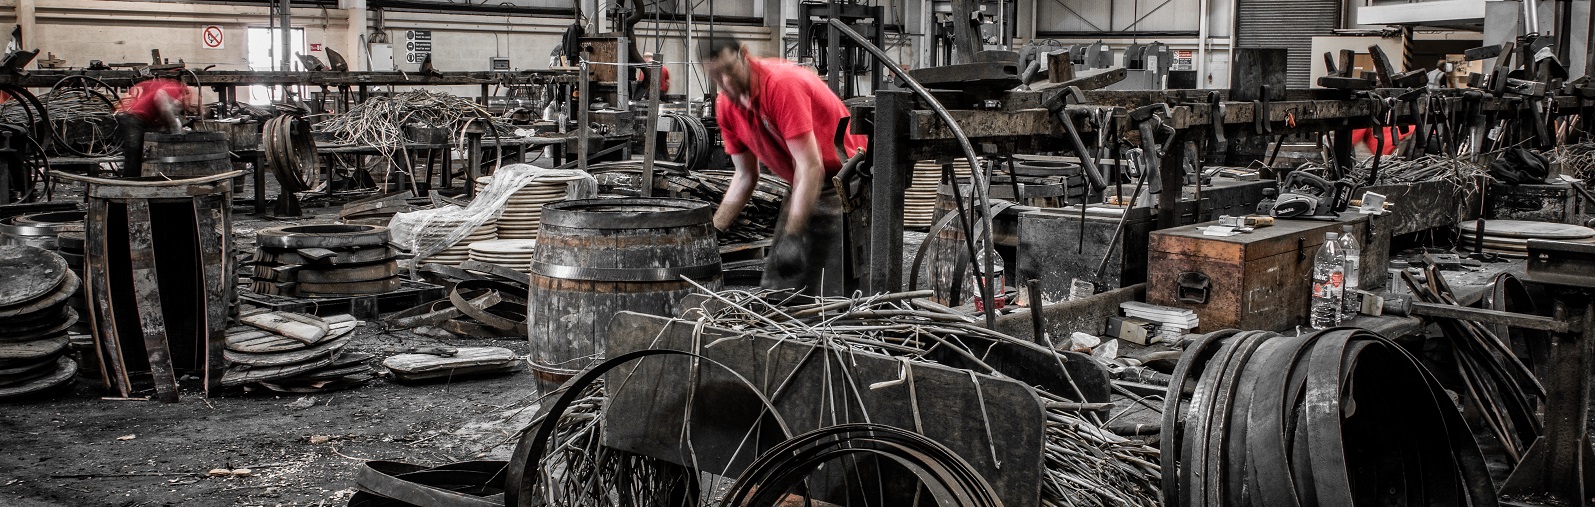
<point x="1037" y="321"/>
<point x="651" y="137"/>
<point x="582" y="100"/>
<point x="981" y="184"/>
<point x="1510" y="319"/>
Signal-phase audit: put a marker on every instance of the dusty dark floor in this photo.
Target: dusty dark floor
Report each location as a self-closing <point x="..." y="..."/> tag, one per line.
<point x="77" y="449"/>
<point x="80" y="450"/>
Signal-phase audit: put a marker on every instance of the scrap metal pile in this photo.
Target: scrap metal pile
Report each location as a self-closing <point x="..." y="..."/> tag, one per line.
<point x="755" y="223"/>
<point x="485" y="300"/>
<point x="1577" y="160"/>
<point x="382" y="121"/>
<point x="1085" y="464"/>
<point x="1397" y="170"/>
<point x="1339" y="414"/>
<point x="80" y="120"/>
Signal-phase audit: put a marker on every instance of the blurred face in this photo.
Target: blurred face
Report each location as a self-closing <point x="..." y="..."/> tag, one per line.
<point x="730" y="71"/>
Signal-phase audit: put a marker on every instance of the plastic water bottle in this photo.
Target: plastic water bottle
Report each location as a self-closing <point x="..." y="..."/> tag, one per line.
<point x="1352" y="253"/>
<point x="1329" y="278"/>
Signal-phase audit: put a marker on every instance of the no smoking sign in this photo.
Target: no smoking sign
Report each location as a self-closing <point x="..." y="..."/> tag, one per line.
<point x="212" y="37"/>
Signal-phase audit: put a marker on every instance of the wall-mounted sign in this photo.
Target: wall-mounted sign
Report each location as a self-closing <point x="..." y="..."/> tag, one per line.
<point x="417" y="45"/>
<point x="1184" y="59"/>
<point x="212" y="37"/>
<point x="315" y="46"/>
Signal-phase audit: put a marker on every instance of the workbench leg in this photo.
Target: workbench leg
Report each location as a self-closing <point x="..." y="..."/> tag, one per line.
<point x="473" y="162"/>
<point x="1560" y="462"/>
<point x="885" y="248"/>
<point x="260" y="182"/>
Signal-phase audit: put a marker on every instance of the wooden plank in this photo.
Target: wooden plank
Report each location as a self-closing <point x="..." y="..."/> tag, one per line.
<point x="287" y="325"/>
<point x="147" y="292"/>
<point x="211" y="228"/>
<point x="925" y="125"/>
<point x="113" y="369"/>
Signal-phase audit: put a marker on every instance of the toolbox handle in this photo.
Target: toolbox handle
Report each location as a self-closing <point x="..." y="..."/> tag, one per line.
<point x="1194" y="287"/>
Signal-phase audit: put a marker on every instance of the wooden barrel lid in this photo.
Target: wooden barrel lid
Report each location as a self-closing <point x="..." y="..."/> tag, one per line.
<point x="28" y="273"/>
<point x="34" y="350"/>
<point x="65" y="370"/>
<point x="1528" y="230"/>
<point x="505" y="247"/>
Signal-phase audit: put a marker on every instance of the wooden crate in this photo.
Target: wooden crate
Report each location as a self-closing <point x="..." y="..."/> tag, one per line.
<point x="410" y="293"/>
<point x="1258" y="281"/>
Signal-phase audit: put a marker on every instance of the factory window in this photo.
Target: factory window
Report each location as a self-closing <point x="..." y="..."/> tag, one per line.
<point x="263" y="43"/>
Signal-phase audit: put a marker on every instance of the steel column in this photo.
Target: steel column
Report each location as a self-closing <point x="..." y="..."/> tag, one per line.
<point x="887" y="190"/>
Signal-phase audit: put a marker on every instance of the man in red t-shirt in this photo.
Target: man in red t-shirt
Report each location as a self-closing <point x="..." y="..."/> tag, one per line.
<point x="774" y="112"/>
<point x="664" y="77"/>
<point x="156" y="103"/>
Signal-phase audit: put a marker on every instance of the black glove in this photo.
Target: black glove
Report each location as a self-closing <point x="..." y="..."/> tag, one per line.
<point x="789" y="254"/>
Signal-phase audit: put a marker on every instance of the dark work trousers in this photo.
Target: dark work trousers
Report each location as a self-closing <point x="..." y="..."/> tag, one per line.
<point x="131" y="131"/>
<point x="828" y="271"/>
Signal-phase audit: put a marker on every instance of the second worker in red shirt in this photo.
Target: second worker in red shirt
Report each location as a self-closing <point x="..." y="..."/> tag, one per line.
<point x="774" y="112"/>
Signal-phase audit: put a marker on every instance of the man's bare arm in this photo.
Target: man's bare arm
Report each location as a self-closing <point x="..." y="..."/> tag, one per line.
<point x="743" y="180"/>
<point x="808" y="177"/>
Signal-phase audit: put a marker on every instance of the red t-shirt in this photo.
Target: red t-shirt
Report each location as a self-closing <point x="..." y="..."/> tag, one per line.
<point x="788" y="101"/>
<point x="1392" y="137"/>
<point x="140" y="99"/>
<point x="664" y="78"/>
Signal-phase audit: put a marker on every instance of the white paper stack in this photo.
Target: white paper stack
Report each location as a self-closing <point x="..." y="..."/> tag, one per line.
<point x="1172" y="322"/>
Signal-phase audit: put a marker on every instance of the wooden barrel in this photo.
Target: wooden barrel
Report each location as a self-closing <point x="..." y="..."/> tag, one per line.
<point x="186" y="155"/>
<point x="242" y="135"/>
<point x="596" y="257"/>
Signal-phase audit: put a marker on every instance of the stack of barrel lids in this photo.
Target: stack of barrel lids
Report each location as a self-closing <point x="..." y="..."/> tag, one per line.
<point x="515" y="254"/>
<point x="290" y="352"/>
<point x="61" y="232"/>
<point x="1511" y="237"/>
<point x="523" y="212"/>
<point x="460" y="251"/>
<point x="71" y="247"/>
<point x="919" y="203"/>
<point x="325" y="261"/>
<point x="34" y="317"/>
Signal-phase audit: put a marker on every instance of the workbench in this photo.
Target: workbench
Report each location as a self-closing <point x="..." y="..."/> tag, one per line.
<point x="404" y="156"/>
<point x="907" y="129"/>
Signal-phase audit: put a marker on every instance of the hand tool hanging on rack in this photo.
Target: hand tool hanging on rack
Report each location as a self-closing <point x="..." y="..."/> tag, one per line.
<point x="1385" y="130"/>
<point x="1417" y="107"/>
<point x="1059" y="106"/>
<point x="1150" y="125"/>
<point x="1215" y="139"/>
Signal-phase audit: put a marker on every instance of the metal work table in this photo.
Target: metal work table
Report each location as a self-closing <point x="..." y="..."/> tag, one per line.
<point x="1468" y="287"/>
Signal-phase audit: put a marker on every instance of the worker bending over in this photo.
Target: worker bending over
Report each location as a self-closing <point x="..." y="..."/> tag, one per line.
<point x="152" y="104"/>
<point x="774" y="112"/>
